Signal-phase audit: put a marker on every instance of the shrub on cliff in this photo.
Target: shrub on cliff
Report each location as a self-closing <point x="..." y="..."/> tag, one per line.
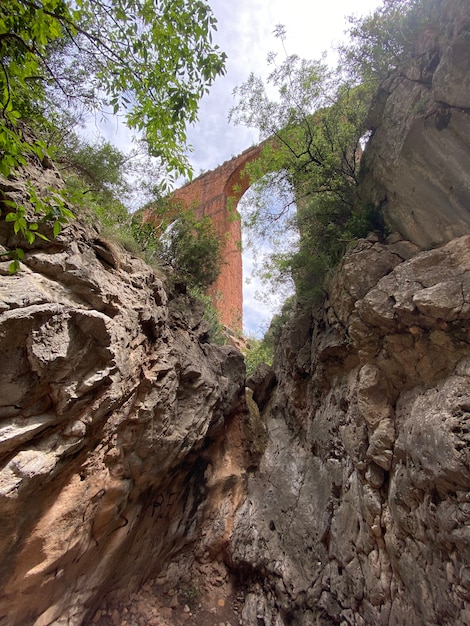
<point x="386" y="40"/>
<point x="315" y="129"/>
<point x="192" y="248"/>
<point x="150" y="61"/>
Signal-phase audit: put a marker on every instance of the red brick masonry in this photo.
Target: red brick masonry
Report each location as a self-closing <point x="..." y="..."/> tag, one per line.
<point x="209" y="195"/>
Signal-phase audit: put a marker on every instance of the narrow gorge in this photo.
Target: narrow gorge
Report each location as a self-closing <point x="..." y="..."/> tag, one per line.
<point x="146" y="481"/>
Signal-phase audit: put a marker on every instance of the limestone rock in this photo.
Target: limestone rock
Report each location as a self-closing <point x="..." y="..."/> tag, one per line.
<point x="359" y="510"/>
<point x="261" y="382"/>
<point x="417" y="162"/>
<point x="335" y="492"/>
<point x="106" y="390"/>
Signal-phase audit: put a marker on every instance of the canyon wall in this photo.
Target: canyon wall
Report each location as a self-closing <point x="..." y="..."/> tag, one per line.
<point x="360" y="511"/>
<point x="417" y="162"/>
<point x="335" y="491"/>
<point x="112" y="403"/>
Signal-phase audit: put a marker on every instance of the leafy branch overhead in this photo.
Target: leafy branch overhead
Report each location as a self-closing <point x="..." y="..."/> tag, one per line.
<point x="314" y="121"/>
<point x="149" y="61"/>
<point x="312" y="132"/>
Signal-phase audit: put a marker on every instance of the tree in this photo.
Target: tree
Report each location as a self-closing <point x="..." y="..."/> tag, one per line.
<point x="312" y="132"/>
<point x="99" y="165"/>
<point x="315" y="130"/>
<point x="100" y="178"/>
<point x="151" y="61"/>
<point x="385" y="41"/>
<point x="192" y="247"/>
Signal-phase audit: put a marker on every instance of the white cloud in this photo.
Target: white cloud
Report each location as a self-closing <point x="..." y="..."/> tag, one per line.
<point x="245" y="33"/>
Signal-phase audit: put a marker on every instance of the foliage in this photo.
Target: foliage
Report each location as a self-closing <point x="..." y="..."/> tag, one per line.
<point x="385" y="40"/>
<point x="27" y="220"/>
<point x="153" y="61"/>
<point x="190" y="595"/>
<point x="192" y="247"/>
<point x="314" y="130"/>
<point x="99" y="166"/>
<point x="150" y="61"/>
<point x="145" y="235"/>
<point x="257" y="351"/>
<point x="263" y="350"/>
<point x="211" y="315"/>
<point x="280" y="320"/>
<point x="98" y="176"/>
<point x="100" y="173"/>
<point x="313" y="133"/>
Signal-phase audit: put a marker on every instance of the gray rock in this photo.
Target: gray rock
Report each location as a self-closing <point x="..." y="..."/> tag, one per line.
<point x="109" y="417"/>
<point x="359" y="510"/>
<point x="417" y="161"/>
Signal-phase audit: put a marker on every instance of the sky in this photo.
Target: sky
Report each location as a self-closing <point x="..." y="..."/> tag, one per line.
<point x="246" y="34"/>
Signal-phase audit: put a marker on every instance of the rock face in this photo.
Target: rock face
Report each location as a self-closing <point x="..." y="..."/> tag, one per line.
<point x="360" y="510"/>
<point x="335" y="491"/>
<point x="359" y="513"/>
<point x="112" y="408"/>
<point x="417" y="162"/>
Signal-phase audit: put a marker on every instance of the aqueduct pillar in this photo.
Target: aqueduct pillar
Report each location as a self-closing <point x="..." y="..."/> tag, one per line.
<point x="209" y="196"/>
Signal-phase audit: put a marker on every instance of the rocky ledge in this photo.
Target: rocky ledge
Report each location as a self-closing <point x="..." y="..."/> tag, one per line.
<point x="359" y="512"/>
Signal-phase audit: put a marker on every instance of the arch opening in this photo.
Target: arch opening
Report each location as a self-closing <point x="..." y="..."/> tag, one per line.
<point x="217" y="194"/>
<point x="267" y="246"/>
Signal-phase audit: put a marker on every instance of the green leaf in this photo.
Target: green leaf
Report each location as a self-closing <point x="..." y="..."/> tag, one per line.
<point x="154" y="59"/>
<point x="41" y="236"/>
<point x="29" y="236"/>
<point x="56" y="228"/>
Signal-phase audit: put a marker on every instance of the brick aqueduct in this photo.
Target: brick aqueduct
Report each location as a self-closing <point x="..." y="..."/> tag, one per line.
<point x="209" y="195"/>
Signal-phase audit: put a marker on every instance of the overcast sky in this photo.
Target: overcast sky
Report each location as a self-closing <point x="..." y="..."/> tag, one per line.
<point x="245" y="33"/>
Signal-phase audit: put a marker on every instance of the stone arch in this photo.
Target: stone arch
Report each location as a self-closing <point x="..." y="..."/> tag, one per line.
<point x="209" y="196"/>
<point x="237" y="182"/>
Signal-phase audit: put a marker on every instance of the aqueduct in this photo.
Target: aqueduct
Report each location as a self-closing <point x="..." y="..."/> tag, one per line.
<point x="209" y="195"/>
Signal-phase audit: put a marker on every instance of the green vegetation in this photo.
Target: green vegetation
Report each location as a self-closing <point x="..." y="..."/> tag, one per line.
<point x="98" y="176"/>
<point x="262" y="350"/>
<point x="211" y="316"/>
<point x="190" y="595"/>
<point x="150" y="62"/>
<point x="258" y="351"/>
<point x="192" y="247"/>
<point x="315" y="129"/>
<point x="385" y="41"/>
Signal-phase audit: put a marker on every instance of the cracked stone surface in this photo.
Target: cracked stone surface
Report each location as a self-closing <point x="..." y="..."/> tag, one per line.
<point x="359" y="512"/>
<point x="136" y="474"/>
<point x="417" y="162"/>
<point x="111" y="401"/>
